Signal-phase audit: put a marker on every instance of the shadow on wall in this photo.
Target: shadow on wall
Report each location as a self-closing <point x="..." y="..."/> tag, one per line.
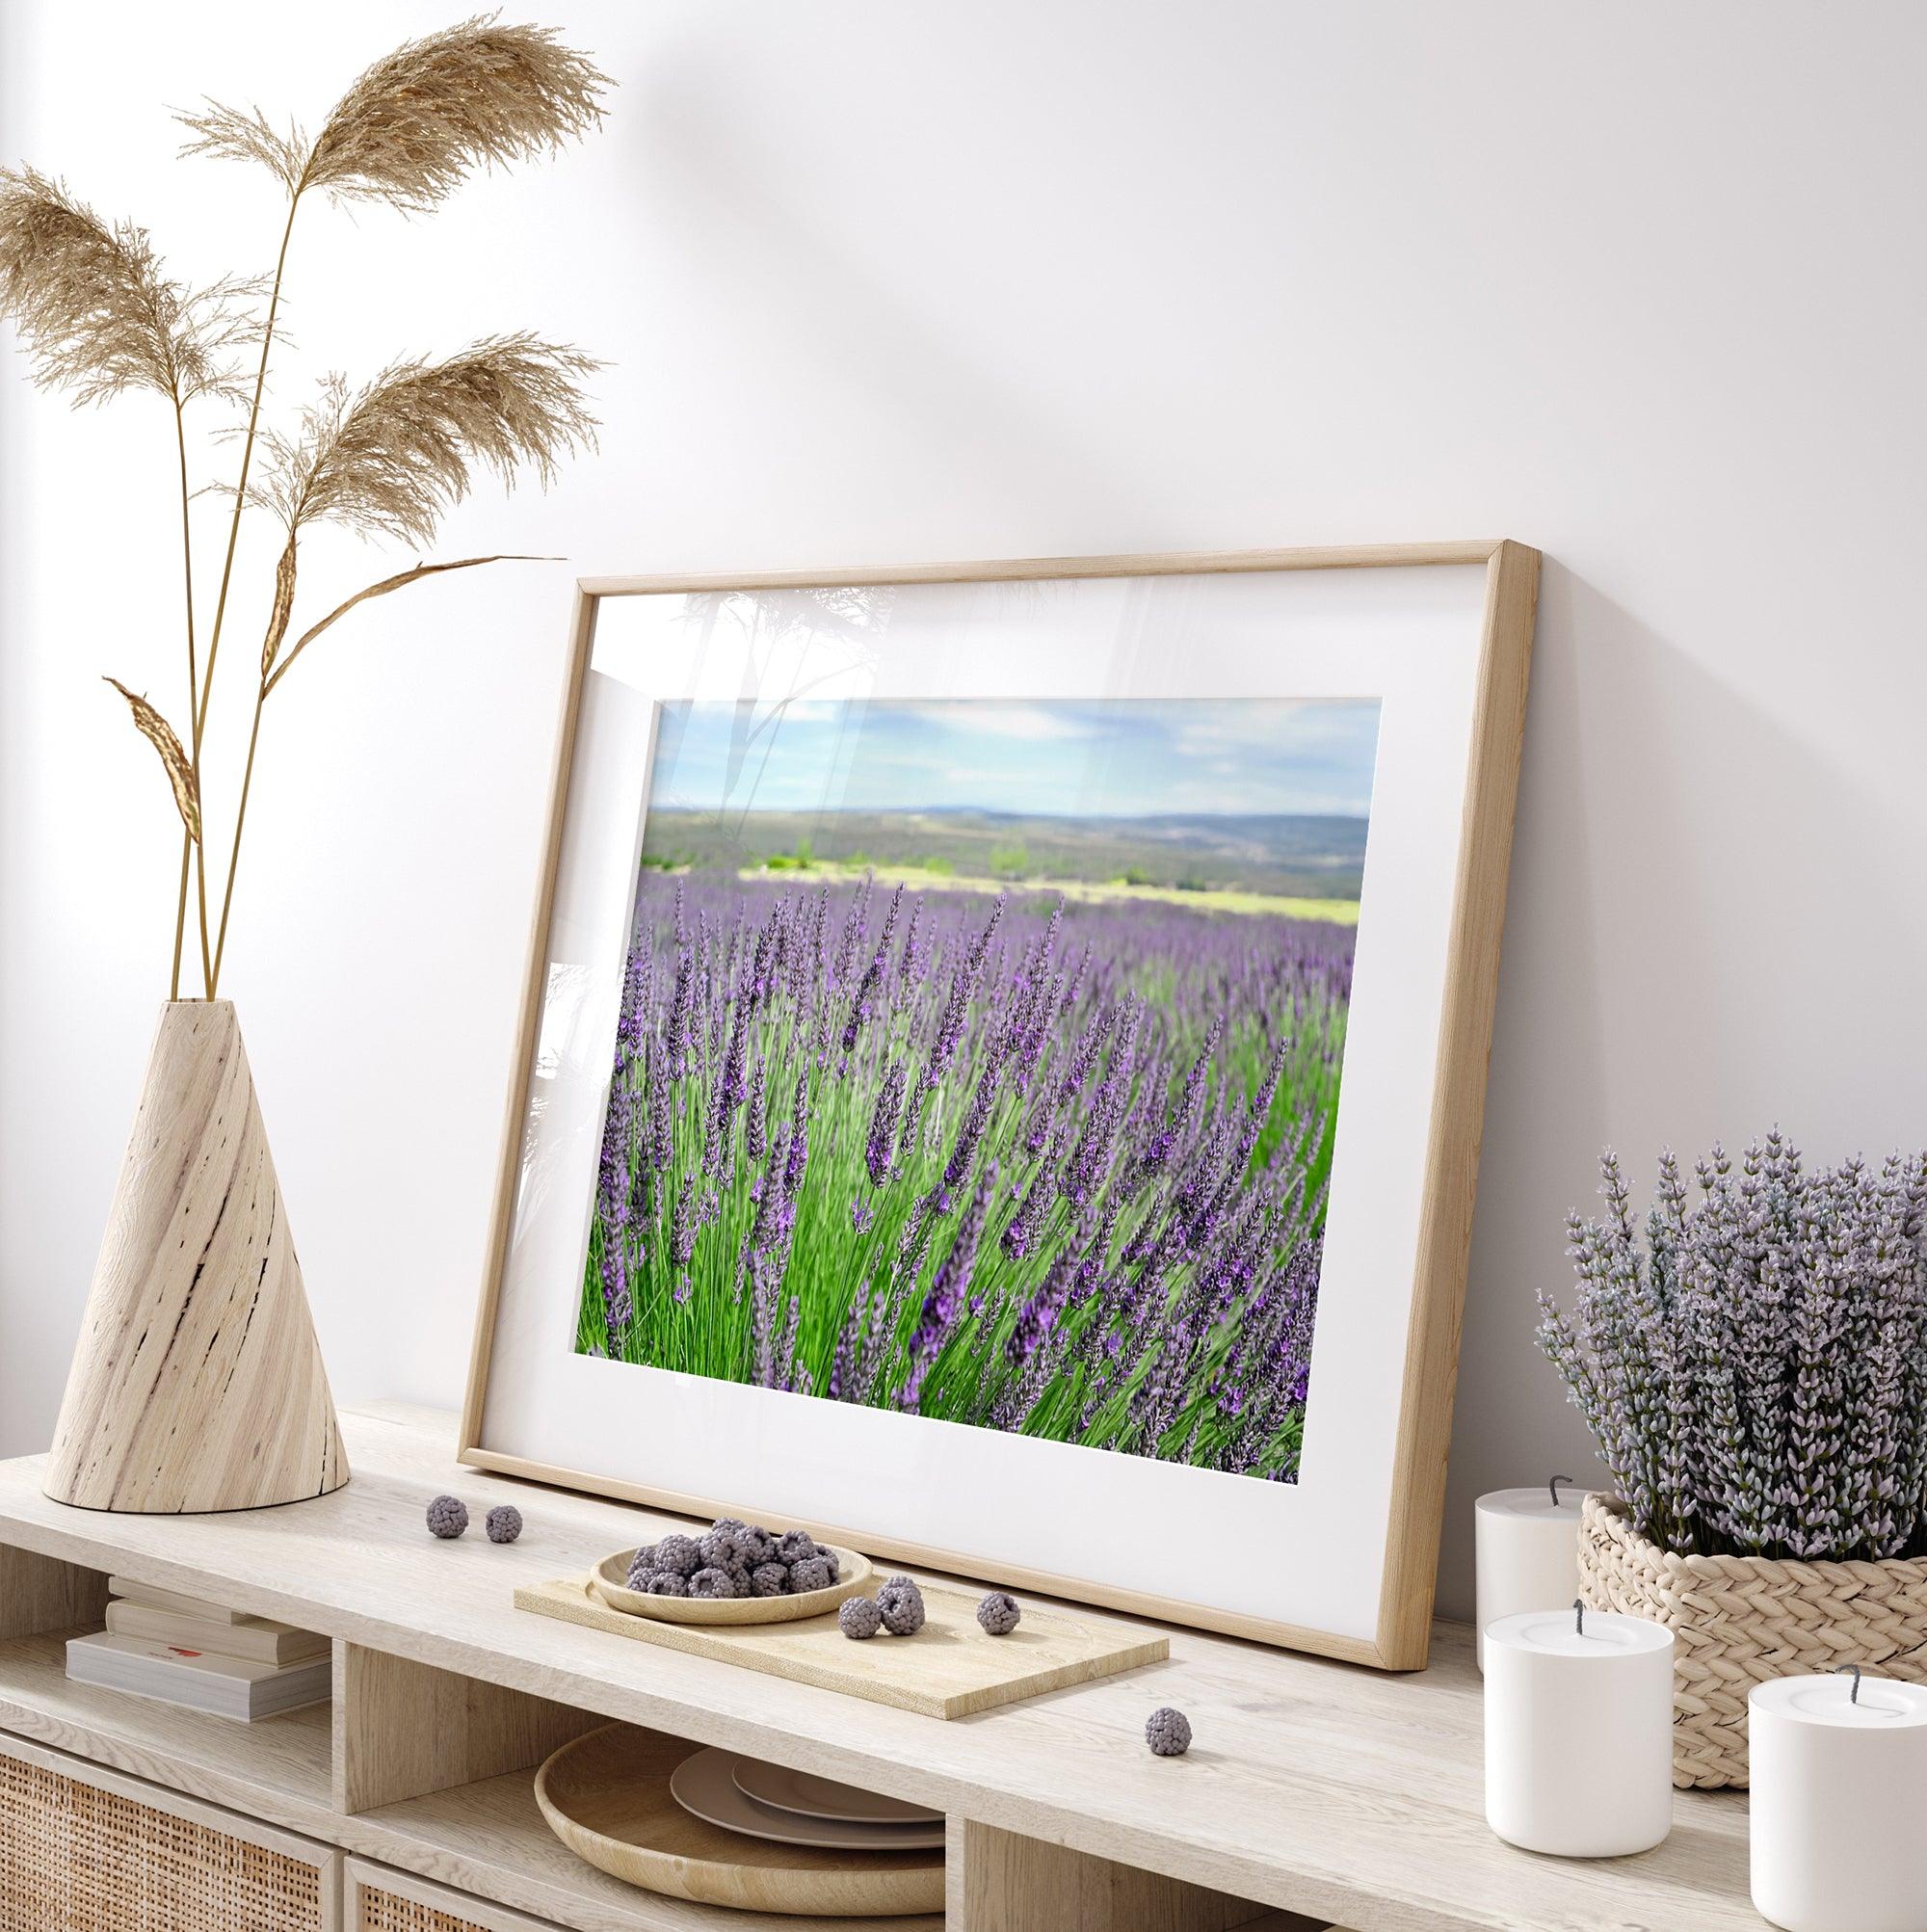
<point x="1643" y="990"/>
<point x="689" y="156"/>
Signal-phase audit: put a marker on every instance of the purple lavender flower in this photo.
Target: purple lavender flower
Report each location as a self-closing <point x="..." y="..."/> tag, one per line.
<point x="882" y="1127"/>
<point x="756" y="1124"/>
<point x="866" y="987"/>
<point x="798" y="1156"/>
<point x="1151" y="1286"/>
<point x="618" y="1309"/>
<point x="679" y="1036"/>
<point x="950" y="1023"/>
<point x="971" y="1132"/>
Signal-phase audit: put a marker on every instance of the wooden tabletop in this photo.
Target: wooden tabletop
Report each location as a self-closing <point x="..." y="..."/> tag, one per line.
<point x="1319" y="1787"/>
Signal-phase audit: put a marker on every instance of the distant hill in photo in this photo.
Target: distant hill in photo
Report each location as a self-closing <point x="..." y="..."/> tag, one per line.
<point x="1282" y="853"/>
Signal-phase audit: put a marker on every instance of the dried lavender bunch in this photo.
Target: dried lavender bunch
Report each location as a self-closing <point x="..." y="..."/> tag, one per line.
<point x="1755" y="1371"/>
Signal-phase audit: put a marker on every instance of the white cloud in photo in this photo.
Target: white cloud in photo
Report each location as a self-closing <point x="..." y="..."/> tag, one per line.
<point x="1069" y="757"/>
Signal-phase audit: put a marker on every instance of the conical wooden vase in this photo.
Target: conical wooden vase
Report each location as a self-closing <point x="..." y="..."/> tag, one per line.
<point x="197" y="1383"/>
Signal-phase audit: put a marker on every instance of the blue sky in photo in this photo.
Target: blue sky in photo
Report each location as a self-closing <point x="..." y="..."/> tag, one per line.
<point x="1054" y="757"/>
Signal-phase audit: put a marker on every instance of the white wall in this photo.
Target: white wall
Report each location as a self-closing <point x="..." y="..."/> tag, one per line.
<point x="1640" y="284"/>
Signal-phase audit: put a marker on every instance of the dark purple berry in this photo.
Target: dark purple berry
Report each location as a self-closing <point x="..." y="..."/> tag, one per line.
<point x="858" y="1618"/>
<point x="901" y="1603"/>
<point x="679" y="1553"/>
<point x="998" y="1613"/>
<point x="811" y="1573"/>
<point x="447" y="1517"/>
<point x="1167" y="1731"/>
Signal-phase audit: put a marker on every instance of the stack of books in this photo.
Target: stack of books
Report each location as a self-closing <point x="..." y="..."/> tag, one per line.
<point x="184" y="1649"/>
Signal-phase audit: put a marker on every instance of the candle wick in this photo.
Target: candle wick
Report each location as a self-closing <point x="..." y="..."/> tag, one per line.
<point x="1579" y="1616"/>
<point x="1856" y="1668"/>
<point x="1553" y="1486"/>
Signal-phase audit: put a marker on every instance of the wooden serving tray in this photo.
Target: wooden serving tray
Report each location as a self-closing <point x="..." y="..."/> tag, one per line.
<point x="949" y="1669"/>
<point x="607" y="1797"/>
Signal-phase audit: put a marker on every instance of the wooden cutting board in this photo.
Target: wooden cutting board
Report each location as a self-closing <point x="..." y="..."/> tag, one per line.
<point x="949" y="1669"/>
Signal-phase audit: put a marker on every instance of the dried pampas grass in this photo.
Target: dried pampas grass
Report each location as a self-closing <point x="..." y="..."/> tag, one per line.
<point x="99" y="316"/>
<point x="94" y="311"/>
<point x="416" y="124"/>
<point x="181" y="773"/>
<point x="388" y="459"/>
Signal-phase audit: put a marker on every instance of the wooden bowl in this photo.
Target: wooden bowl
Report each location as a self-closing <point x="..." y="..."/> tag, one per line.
<point x="606" y="1797"/>
<point x="853" y="1572"/>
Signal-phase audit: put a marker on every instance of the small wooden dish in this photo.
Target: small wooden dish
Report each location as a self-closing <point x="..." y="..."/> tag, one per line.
<point x="606" y="1797"/>
<point x="610" y="1579"/>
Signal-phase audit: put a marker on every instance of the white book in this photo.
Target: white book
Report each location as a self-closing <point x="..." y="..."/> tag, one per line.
<point x="238" y="1687"/>
<point x="260" y="1638"/>
<point x="173" y="1599"/>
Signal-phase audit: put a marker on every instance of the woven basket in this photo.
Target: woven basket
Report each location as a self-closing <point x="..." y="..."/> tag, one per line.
<point x="1739" y="1621"/>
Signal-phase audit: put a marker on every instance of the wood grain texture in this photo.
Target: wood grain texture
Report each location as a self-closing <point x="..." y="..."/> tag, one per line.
<point x="1008" y="1577"/>
<point x="535" y="977"/>
<point x="1002" y="1882"/>
<point x="485" y="1837"/>
<point x="41" y="1592"/>
<point x="1458" y="1111"/>
<point x="490" y="1839"/>
<point x="949" y="1669"/>
<point x="607" y="1798"/>
<point x="276" y="1769"/>
<point x="1034" y="570"/>
<point x="401" y="1730"/>
<point x="197" y="1383"/>
<point x="1423" y="1427"/>
<point x="372" y="1894"/>
<point x="1312" y="1786"/>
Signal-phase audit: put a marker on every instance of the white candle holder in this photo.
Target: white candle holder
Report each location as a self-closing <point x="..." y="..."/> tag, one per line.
<point x="1838" y="1839"/>
<point x="1579" y="1732"/>
<point x="1526" y="1551"/>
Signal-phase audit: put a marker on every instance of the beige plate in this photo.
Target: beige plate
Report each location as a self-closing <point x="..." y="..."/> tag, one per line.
<point x="809" y="1796"/>
<point x="705" y="1785"/>
<point x="607" y="1797"/>
<point x="853" y="1572"/>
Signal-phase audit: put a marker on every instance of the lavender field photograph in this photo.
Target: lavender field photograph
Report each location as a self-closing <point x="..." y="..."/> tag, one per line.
<point x="981" y="1060"/>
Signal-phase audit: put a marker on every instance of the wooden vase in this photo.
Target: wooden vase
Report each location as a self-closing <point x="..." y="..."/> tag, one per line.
<point x="197" y="1383"/>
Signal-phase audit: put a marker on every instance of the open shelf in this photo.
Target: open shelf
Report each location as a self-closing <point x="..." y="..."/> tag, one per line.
<point x="487" y="1838"/>
<point x="1316" y="1789"/>
<point x="490" y="1838"/>
<point x="276" y="1768"/>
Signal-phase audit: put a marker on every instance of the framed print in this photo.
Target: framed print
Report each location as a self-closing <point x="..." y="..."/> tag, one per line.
<point x="1002" y="1064"/>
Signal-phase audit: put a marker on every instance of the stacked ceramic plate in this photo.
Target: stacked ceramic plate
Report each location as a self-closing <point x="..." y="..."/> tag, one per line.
<point x="693" y="1823"/>
<point x="766" y="1801"/>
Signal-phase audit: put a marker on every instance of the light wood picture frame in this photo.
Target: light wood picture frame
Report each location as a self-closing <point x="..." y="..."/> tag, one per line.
<point x="1440" y="636"/>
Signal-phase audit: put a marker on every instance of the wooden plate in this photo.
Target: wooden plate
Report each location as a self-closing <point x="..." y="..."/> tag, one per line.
<point x="610" y="1577"/>
<point x="607" y="1797"/>
<point x="809" y="1797"/>
<point x="705" y="1784"/>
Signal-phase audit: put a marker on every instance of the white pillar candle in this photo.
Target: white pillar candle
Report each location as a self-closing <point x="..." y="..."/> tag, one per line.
<point x="1526" y="1552"/>
<point x="1579" y="1732"/>
<point x="1840" y="1796"/>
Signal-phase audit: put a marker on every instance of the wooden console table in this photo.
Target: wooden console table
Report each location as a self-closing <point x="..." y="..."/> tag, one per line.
<point x="1316" y="1795"/>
